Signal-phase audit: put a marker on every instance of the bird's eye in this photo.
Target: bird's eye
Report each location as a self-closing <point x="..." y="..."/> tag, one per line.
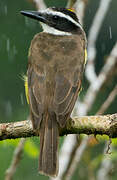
<point x="55" y="17"/>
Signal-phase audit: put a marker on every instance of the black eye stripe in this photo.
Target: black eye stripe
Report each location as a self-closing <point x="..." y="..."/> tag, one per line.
<point x="64" y="24"/>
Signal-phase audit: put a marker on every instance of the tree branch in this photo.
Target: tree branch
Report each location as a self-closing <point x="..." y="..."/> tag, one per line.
<point x="106" y="166"/>
<point x="92" y="37"/>
<point x="40" y="4"/>
<point x="106" y="124"/>
<point x="70" y="3"/>
<point x="108" y="101"/>
<point x="15" y="161"/>
<point x="15" y="130"/>
<point x="80" y="6"/>
<point x="76" y="159"/>
<point x="94" y="87"/>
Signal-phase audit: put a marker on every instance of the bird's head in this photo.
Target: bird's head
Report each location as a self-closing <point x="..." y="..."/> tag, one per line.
<point x="58" y="21"/>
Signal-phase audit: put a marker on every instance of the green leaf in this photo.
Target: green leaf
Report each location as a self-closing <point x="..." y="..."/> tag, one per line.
<point x="114" y="141"/>
<point x="8" y="142"/>
<point x="96" y="161"/>
<point x="31" y="149"/>
<point x="102" y="138"/>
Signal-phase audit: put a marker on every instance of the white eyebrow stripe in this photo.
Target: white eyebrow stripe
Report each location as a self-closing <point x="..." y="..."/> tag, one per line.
<point x="49" y="11"/>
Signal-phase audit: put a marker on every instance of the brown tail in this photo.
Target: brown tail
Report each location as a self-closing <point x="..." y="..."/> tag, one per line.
<point x="49" y="134"/>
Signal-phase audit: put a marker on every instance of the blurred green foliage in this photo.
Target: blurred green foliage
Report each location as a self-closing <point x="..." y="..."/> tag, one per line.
<point x="16" y="33"/>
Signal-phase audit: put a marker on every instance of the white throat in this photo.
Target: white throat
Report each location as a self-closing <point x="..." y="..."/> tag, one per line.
<point x="53" y="31"/>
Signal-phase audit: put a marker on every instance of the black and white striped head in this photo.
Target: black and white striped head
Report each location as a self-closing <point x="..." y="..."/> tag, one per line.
<point x="58" y="21"/>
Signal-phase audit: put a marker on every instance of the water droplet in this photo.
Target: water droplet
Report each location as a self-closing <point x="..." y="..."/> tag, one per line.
<point x="103" y="47"/>
<point x="27" y="22"/>
<point x="22" y="99"/>
<point x="14" y="50"/>
<point x="110" y="32"/>
<point x="5" y="9"/>
<point x="8" y="45"/>
<point x="8" y="108"/>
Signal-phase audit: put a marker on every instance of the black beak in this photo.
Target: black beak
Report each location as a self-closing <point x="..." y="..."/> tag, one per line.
<point x="35" y="15"/>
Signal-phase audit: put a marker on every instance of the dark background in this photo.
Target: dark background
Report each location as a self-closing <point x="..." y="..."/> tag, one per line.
<point x="16" y="33"/>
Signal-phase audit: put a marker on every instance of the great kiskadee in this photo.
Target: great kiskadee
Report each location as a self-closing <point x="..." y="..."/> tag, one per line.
<point x="55" y="68"/>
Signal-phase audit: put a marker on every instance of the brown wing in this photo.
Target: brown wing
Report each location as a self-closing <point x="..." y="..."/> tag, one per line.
<point x="66" y="92"/>
<point x="36" y="85"/>
<point x="62" y="81"/>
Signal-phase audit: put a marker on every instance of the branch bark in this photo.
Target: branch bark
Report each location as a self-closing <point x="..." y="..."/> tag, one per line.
<point x="106" y="124"/>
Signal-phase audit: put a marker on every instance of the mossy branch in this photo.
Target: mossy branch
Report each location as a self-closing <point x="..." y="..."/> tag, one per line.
<point x="99" y="124"/>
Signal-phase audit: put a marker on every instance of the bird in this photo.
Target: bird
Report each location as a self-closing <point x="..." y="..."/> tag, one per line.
<point x="56" y="63"/>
